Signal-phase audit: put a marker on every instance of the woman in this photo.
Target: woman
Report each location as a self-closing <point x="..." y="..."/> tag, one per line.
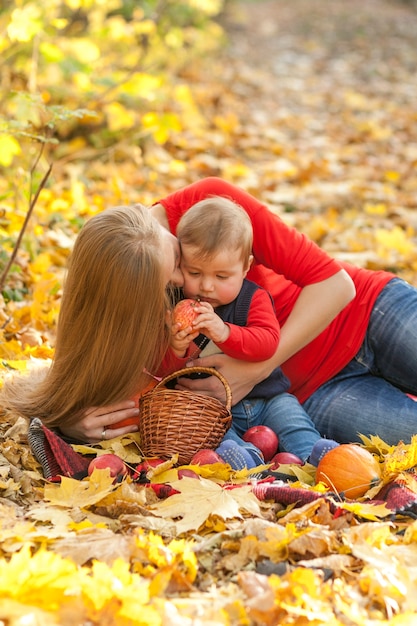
<point x="348" y="335"/>
<point x="112" y="322"/>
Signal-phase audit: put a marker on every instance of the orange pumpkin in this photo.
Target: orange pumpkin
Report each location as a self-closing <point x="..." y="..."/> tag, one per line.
<point x="349" y="469"/>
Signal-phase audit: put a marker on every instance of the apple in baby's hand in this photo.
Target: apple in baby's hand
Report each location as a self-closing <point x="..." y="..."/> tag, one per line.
<point x="285" y="458"/>
<point x="264" y="439"/>
<point x="111" y="461"/>
<point x="184" y="313"/>
<point x="206" y="457"/>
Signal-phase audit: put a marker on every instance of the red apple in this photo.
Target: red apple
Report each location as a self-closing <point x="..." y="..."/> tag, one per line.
<point x="184" y="313"/>
<point x="148" y="464"/>
<point x="145" y="466"/>
<point x="111" y="461"/>
<point x="264" y="439"/>
<point x="186" y="472"/>
<point x="206" y="457"/>
<point x="285" y="458"/>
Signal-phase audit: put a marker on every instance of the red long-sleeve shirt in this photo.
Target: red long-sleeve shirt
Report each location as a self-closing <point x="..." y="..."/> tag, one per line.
<point x="285" y="261"/>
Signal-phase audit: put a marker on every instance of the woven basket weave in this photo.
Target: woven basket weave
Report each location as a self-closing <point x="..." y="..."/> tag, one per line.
<point x="182" y="422"/>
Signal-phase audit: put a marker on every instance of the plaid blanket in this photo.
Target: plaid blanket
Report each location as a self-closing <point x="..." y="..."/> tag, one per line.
<point x="58" y="458"/>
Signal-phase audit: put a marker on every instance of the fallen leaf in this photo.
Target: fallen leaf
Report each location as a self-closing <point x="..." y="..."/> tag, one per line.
<point x="80" y="493"/>
<point x="198" y="499"/>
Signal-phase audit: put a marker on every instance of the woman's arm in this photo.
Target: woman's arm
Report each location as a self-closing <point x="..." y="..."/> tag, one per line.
<point x="317" y="305"/>
<point x="158" y="211"/>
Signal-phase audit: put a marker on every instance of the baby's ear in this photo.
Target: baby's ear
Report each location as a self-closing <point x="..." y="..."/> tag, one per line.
<point x="250" y="261"/>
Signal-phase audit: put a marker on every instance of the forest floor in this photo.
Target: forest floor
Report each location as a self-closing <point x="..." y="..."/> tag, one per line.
<point x="310" y="106"/>
<point x="321" y="97"/>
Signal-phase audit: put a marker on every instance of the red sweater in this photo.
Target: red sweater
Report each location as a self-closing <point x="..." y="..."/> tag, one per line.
<point x="285" y="260"/>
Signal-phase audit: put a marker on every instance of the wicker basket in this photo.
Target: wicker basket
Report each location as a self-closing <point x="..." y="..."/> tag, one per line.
<point x="174" y="421"/>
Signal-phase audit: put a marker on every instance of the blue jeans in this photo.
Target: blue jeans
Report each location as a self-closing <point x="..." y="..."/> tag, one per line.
<point x="368" y="395"/>
<point x="284" y="415"/>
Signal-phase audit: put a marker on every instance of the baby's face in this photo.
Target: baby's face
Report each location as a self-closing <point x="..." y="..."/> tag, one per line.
<point x="216" y="280"/>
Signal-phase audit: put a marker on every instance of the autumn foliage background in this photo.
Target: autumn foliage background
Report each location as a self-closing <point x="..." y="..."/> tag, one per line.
<point x="311" y="106"/>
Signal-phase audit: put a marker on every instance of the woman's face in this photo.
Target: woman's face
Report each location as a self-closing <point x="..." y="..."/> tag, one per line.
<point x="171" y="260"/>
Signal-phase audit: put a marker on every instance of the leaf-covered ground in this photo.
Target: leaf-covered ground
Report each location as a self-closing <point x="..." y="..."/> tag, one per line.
<point x="312" y="107"/>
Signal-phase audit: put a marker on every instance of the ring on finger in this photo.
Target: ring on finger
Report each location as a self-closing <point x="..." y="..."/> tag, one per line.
<point x="103" y="434"/>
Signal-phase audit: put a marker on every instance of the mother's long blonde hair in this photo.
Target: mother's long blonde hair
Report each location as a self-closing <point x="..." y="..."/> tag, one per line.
<point x="111" y="324"/>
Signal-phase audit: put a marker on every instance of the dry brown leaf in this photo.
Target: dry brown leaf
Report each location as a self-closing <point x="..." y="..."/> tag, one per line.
<point x="338" y="563"/>
<point x="94" y="543"/>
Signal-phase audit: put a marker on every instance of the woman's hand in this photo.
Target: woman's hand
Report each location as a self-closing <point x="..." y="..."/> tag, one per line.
<point x="95" y="425"/>
<point x="242" y="376"/>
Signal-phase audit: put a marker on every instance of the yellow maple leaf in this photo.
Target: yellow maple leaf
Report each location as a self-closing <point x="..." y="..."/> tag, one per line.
<point x="400" y="459"/>
<point x="41" y="579"/>
<point x="9" y="148"/>
<point x="410" y="535"/>
<point x="215" y="471"/>
<point x="277" y="540"/>
<point x="373" y="443"/>
<point x="118" y="117"/>
<point x="80" y="493"/>
<point x="366" y="510"/>
<point x="394" y="239"/>
<point x="153" y="553"/>
<point x="198" y="499"/>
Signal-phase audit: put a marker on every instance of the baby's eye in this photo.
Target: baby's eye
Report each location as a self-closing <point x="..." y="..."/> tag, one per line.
<point x="222" y="277"/>
<point x="194" y="273"/>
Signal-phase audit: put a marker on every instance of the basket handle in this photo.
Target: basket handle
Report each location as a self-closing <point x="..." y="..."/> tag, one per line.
<point x="202" y="370"/>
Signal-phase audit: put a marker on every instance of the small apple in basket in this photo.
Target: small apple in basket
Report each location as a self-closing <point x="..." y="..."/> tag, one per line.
<point x="184" y="313"/>
<point x="206" y="457"/>
<point x="264" y="439"/>
<point x="111" y="461"/>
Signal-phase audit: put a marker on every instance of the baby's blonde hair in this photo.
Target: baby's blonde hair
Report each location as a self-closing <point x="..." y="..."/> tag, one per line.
<point x="111" y="324"/>
<point x="214" y="224"/>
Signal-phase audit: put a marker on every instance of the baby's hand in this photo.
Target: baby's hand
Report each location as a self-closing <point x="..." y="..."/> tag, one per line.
<point x="210" y="324"/>
<point x="180" y="339"/>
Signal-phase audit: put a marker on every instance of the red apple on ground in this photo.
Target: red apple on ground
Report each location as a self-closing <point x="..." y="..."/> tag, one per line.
<point x="285" y="458"/>
<point x="148" y="464"/>
<point x="111" y="461"/>
<point x="264" y="439"/>
<point x="186" y="473"/>
<point x="206" y="457"/>
<point x="184" y="313"/>
<point x="145" y="466"/>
